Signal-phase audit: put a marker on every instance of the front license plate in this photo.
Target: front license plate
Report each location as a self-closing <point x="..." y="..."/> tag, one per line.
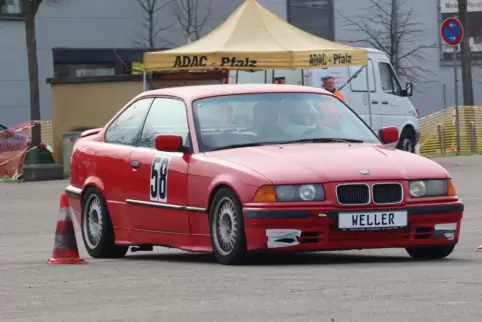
<point x="372" y="220"/>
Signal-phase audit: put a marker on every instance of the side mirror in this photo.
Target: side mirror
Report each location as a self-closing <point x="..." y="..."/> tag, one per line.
<point x="409" y="89"/>
<point x="388" y="134"/>
<point x="169" y="143"/>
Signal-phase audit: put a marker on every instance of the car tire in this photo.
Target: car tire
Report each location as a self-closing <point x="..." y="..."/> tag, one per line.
<point x="430" y="252"/>
<point x="97" y="230"/>
<point x="407" y="141"/>
<point x="226" y="225"/>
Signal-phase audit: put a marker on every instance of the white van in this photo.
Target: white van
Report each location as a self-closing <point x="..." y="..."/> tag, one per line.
<point x="390" y="102"/>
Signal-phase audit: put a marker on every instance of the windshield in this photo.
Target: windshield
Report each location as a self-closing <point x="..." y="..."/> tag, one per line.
<point x="272" y="118"/>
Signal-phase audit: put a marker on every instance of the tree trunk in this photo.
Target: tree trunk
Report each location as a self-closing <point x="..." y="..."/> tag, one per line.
<point x="394" y="37"/>
<point x="33" y="78"/>
<point x="466" y="56"/>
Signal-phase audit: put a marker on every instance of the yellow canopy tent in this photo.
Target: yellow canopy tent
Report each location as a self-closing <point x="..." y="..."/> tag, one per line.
<point x="255" y="38"/>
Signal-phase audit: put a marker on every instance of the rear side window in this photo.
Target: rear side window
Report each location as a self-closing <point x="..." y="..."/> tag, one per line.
<point x="126" y="128"/>
<point x="167" y="116"/>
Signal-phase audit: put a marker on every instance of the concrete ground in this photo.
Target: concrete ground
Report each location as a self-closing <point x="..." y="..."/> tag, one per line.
<point x="169" y="285"/>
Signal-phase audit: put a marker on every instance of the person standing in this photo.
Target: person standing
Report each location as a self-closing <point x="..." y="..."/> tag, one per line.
<point x="329" y="85"/>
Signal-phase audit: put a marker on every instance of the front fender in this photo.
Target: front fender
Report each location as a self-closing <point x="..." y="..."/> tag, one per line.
<point x="245" y="192"/>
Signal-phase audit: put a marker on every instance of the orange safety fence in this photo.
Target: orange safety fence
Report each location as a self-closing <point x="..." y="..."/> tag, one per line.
<point x="14" y="143"/>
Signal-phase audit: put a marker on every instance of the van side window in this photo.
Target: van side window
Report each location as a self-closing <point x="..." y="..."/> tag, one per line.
<point x="389" y="81"/>
<point x="359" y="83"/>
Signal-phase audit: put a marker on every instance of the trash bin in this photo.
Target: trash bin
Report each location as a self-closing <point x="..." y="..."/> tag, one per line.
<point x="68" y="141"/>
<point x="39" y="155"/>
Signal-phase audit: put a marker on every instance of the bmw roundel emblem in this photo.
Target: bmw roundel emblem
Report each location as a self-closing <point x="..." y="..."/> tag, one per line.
<point x="365" y="172"/>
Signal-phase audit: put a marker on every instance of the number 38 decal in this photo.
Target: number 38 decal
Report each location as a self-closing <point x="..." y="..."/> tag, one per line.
<point x="159" y="171"/>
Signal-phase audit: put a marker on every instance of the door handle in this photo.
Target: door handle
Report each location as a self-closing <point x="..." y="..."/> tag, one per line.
<point x="385" y="103"/>
<point x="135" y="164"/>
<point x="374" y="102"/>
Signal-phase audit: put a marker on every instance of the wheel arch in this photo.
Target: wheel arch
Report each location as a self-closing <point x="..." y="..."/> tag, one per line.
<point x="215" y="189"/>
<point x="407" y="128"/>
<point x="92" y="182"/>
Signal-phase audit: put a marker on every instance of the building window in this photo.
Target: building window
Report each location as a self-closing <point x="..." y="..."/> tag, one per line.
<point x="84" y="70"/>
<point x="313" y="16"/>
<point x="11" y="8"/>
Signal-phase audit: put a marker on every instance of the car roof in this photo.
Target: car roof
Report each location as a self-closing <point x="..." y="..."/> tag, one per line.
<point x="191" y="93"/>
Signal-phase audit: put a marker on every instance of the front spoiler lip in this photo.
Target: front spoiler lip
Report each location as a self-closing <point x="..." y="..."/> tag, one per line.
<point x="304" y="214"/>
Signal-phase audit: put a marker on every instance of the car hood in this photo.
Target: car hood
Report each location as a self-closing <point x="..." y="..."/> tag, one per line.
<point x="329" y="162"/>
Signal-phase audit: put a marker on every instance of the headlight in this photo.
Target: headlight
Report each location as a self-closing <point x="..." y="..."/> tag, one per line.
<point x="306" y="192"/>
<point x="431" y="188"/>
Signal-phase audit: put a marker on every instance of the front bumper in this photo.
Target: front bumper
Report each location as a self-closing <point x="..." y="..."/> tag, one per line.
<point x="317" y="229"/>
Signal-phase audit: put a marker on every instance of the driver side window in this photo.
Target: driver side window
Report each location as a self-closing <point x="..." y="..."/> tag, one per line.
<point x="125" y="129"/>
<point x="167" y="116"/>
<point x="390" y="84"/>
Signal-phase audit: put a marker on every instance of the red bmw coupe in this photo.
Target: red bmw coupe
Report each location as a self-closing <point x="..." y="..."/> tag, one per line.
<point x="230" y="169"/>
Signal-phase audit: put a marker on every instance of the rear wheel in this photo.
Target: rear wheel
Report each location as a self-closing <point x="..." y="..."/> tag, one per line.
<point x="226" y="224"/>
<point x="97" y="231"/>
<point x="430" y="252"/>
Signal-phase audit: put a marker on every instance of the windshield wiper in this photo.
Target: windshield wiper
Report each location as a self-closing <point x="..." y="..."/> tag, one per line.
<point x="313" y="140"/>
<point x="243" y="145"/>
<point x="324" y="140"/>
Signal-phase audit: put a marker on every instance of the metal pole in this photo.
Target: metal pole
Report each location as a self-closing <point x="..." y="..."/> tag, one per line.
<point x="368" y="95"/>
<point x="445" y="95"/>
<point x="144" y="81"/>
<point x="456" y="81"/>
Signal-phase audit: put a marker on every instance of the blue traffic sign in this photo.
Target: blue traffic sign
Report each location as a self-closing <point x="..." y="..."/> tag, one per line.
<point x="452" y="31"/>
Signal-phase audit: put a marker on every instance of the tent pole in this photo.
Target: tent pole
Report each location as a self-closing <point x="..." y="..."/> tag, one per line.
<point x="368" y="95"/>
<point x="144" y="80"/>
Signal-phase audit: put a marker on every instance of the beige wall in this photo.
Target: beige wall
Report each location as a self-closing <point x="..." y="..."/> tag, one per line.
<point x="93" y="104"/>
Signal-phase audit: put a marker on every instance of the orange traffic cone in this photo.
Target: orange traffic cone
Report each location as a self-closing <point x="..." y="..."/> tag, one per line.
<point x="478" y="249"/>
<point x="65" y="244"/>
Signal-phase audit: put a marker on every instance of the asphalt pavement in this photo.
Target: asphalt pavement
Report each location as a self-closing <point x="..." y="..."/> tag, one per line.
<point x="170" y="285"/>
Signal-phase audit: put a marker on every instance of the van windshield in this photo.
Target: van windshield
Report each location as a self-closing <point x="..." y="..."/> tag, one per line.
<point x="273" y="118"/>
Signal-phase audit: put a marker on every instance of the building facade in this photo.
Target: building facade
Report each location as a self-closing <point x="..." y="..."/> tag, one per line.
<point x="104" y="37"/>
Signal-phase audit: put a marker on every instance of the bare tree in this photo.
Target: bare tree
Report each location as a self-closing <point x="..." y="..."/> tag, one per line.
<point x="30" y="8"/>
<point x="390" y="27"/>
<point x="192" y="17"/>
<point x="153" y="29"/>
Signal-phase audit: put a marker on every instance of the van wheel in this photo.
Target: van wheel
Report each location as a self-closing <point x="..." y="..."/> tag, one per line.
<point x="407" y="141"/>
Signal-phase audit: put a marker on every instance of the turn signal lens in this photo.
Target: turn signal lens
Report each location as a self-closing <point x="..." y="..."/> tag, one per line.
<point x="265" y="194"/>
<point x="451" y="188"/>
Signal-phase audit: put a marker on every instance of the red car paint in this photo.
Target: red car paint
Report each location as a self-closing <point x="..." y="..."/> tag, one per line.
<point x="194" y="176"/>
